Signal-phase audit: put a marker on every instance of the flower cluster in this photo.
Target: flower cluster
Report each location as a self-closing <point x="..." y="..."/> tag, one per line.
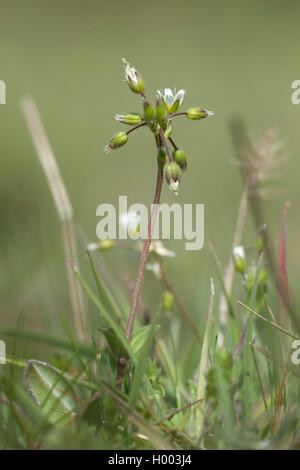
<point x="159" y="119"/>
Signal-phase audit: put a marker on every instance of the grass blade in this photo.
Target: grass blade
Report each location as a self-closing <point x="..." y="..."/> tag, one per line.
<point x="118" y="331"/>
<point x="203" y="368"/>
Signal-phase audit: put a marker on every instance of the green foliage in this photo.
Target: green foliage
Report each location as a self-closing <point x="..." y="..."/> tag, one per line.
<point x="52" y="391"/>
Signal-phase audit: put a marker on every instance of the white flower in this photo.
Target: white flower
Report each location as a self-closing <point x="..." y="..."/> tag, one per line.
<point x="172" y="99"/>
<point x="174" y="186"/>
<point x="155" y="268"/>
<point x="131" y="222"/>
<point x="239" y="252"/>
<point x="157" y="247"/>
<point x="133" y="78"/>
<point x="92" y="246"/>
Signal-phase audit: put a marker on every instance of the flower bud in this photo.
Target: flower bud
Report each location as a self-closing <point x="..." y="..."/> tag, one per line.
<point x="172" y="174"/>
<point x="262" y="277"/>
<point x="133" y="78"/>
<point x="198" y="113"/>
<point x="116" y="141"/>
<point x="132" y="119"/>
<point x="262" y="238"/>
<point x="168" y="131"/>
<point x="179" y="157"/>
<point x="149" y="113"/>
<point x="161" y="115"/>
<point x="167" y="300"/>
<point x="238" y="255"/>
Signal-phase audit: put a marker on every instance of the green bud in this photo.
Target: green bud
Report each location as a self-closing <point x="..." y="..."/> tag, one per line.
<point x="238" y="255"/>
<point x="259" y="244"/>
<point x="132" y="119"/>
<point x="198" y="113"/>
<point x="168" y="131"/>
<point x="262" y="277"/>
<point x="161" y="155"/>
<point x="133" y="78"/>
<point x="149" y="113"/>
<point x="179" y="157"/>
<point x="116" y="141"/>
<point x="262" y="238"/>
<point x="167" y="300"/>
<point x="161" y="115"/>
<point x="172" y="174"/>
<point x="106" y="244"/>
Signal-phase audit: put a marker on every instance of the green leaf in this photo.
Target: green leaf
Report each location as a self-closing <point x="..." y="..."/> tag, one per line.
<point x="142" y="340"/>
<point x="51" y="390"/>
<point x="114" y="342"/>
<point x="110" y="320"/>
<point x="57" y="343"/>
<point x="139" y="337"/>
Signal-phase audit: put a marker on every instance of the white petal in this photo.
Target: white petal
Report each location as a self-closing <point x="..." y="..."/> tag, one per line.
<point x="155" y="268"/>
<point x="92" y="246"/>
<point x="239" y="251"/>
<point x="160" y="249"/>
<point x="169" y="98"/>
<point x="179" y="96"/>
<point x="174" y="186"/>
<point x="133" y="218"/>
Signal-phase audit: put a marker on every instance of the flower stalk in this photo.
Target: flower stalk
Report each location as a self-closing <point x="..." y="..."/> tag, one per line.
<point x="159" y="120"/>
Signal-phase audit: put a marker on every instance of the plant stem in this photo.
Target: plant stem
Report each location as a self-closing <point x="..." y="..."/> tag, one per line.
<point x="164" y="142"/>
<point x="247" y="351"/>
<point x="136" y="127"/>
<point x="173" y="143"/>
<point x="122" y="362"/>
<point x="138" y="284"/>
<point x="184" y="113"/>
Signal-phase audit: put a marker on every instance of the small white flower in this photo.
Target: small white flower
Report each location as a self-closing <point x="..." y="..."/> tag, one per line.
<point x="131" y="73"/>
<point x="92" y="246"/>
<point x="155" y="268"/>
<point x="239" y="261"/>
<point x="157" y="247"/>
<point x="131" y="222"/>
<point x="174" y="186"/>
<point x="239" y="252"/>
<point x="172" y="99"/>
<point x="133" y="78"/>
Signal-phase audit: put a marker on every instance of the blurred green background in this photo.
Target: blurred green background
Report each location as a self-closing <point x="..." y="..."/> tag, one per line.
<point x="231" y="57"/>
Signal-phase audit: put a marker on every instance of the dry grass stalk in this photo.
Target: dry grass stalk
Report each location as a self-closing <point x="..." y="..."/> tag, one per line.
<point x="63" y="206"/>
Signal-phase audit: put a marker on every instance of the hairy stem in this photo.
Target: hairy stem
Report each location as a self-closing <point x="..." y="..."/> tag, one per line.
<point x="122" y="362"/>
<point x="164" y="142"/>
<point x="138" y="284"/>
<point x="136" y="127"/>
